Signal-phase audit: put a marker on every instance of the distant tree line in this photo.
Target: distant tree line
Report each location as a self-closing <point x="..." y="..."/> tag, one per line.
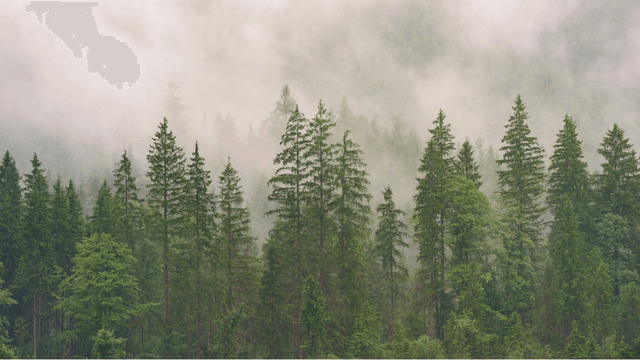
<point x="545" y="266"/>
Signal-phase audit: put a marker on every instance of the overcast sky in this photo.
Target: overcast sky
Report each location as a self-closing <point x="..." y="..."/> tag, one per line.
<point x="390" y="58"/>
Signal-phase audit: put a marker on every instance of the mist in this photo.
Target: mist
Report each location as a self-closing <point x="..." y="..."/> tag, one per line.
<point x="391" y="60"/>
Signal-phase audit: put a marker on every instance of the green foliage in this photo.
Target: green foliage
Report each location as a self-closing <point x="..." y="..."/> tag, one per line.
<point x="127" y="194"/>
<point x="467" y="166"/>
<point x="107" y="346"/>
<point x="518" y="341"/>
<point x="11" y="210"/>
<point x="575" y="348"/>
<point x="389" y="238"/>
<point x="431" y="206"/>
<point x="103" y="292"/>
<point x="314" y="318"/>
<point x="613" y="241"/>
<point x="629" y="312"/>
<point x="365" y="338"/>
<point x="105" y="216"/>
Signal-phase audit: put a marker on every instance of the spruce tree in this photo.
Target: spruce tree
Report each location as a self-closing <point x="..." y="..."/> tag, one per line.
<point x="567" y="251"/>
<point x="200" y="210"/>
<point x="522" y="186"/>
<point x="618" y="183"/>
<point x="389" y="237"/>
<point x="321" y="187"/>
<point x="601" y="303"/>
<point x="437" y="165"/>
<point x="238" y="258"/>
<point x="352" y="211"/>
<point x="127" y="195"/>
<point x="314" y="318"/>
<point x="166" y="193"/>
<point x="466" y="165"/>
<point x="11" y="210"/>
<point x="290" y="197"/>
<point x="37" y="261"/>
<point x="60" y="229"/>
<point x="104" y="218"/>
<point x="76" y="226"/>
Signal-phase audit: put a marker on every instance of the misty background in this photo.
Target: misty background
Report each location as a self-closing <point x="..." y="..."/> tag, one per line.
<point x="216" y="70"/>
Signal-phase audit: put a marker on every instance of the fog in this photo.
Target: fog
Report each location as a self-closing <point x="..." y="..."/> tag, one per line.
<point x="391" y="59"/>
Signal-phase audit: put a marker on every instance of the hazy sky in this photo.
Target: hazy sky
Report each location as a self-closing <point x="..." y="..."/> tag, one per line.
<point x="390" y="58"/>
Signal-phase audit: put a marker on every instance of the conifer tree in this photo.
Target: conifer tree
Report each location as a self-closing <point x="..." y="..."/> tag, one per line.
<point x="200" y="210"/>
<point x="38" y="256"/>
<point x="60" y="222"/>
<point x="76" y="227"/>
<point x="290" y="197"/>
<point x="618" y="183"/>
<point x="352" y="211"/>
<point x="127" y="194"/>
<point x="629" y="312"/>
<point x="166" y="192"/>
<point x="11" y="210"/>
<point x="569" y="174"/>
<point x="522" y="186"/>
<point x="431" y="201"/>
<point x="567" y="252"/>
<point x="389" y="238"/>
<point x="466" y="165"/>
<point x="321" y="187"/>
<point x="601" y="303"/>
<point x="238" y="258"/>
<point x="105" y="217"/>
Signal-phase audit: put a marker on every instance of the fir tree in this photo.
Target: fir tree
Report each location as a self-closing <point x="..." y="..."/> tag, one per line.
<point x="11" y="210"/>
<point x="522" y="186"/>
<point x="38" y="256"/>
<point x="320" y="186"/>
<point x="601" y="303"/>
<point x="166" y="192"/>
<point x="200" y="210"/>
<point x="127" y="194"/>
<point x="389" y="238"/>
<point x="290" y="197"/>
<point x="104" y="218"/>
<point x="466" y="165"/>
<point x="60" y="222"/>
<point x="431" y="201"/>
<point x="352" y="211"/>
<point x="238" y="259"/>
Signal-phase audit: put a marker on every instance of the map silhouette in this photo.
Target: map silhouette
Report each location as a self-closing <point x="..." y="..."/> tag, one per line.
<point x="74" y="24"/>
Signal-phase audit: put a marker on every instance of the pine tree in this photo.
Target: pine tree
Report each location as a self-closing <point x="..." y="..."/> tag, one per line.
<point x="320" y="186"/>
<point x="290" y="197"/>
<point x="431" y="201"/>
<point x="104" y="218"/>
<point x="60" y="230"/>
<point x="569" y="174"/>
<point x="200" y="210"/>
<point x="166" y="192"/>
<point x="466" y="165"/>
<point x="352" y="211"/>
<point x="127" y="194"/>
<point x="389" y="237"/>
<point x="618" y="183"/>
<point x="522" y="186"/>
<point x="11" y="210"/>
<point x="238" y="258"/>
<point x="567" y="252"/>
<point x="37" y="262"/>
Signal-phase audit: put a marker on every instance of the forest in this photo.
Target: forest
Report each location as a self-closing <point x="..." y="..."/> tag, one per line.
<point x="476" y="253"/>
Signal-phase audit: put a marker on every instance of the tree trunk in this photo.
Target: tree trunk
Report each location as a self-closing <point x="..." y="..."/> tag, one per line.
<point x="34" y="325"/>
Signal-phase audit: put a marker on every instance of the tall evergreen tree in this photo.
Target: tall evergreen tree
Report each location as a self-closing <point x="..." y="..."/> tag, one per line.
<point x="431" y="201"/>
<point x="567" y="251"/>
<point x="389" y="238"/>
<point x="200" y="210"/>
<point x="166" y="193"/>
<point x="37" y="262"/>
<point x="290" y="197"/>
<point x="352" y="211"/>
<point x="104" y="218"/>
<point x="127" y="194"/>
<point x="11" y="210"/>
<point x="239" y="260"/>
<point x="60" y="229"/>
<point x="321" y="187"/>
<point x="522" y="186"/>
<point x="314" y="318"/>
<point x="618" y="183"/>
<point x="466" y="165"/>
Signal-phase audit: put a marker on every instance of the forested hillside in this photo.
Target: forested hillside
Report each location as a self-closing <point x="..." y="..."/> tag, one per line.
<point x="451" y="249"/>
